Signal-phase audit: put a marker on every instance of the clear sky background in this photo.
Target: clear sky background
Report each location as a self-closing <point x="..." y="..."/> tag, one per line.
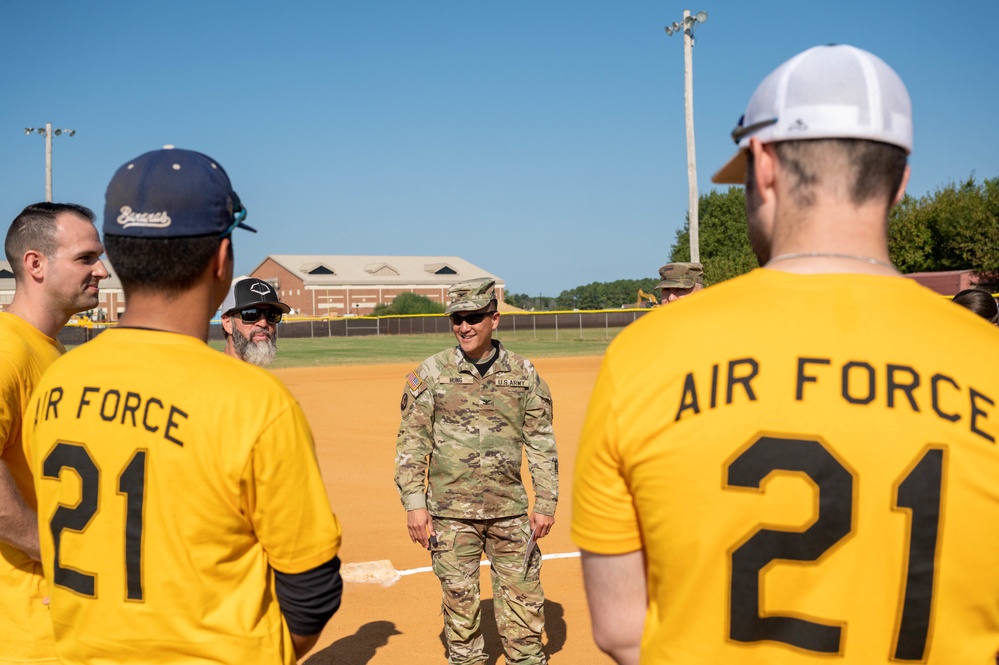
<point x="542" y="140"/>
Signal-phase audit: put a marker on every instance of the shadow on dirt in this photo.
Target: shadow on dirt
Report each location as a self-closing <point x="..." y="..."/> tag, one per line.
<point x="358" y="648"/>
<point x="555" y="631"/>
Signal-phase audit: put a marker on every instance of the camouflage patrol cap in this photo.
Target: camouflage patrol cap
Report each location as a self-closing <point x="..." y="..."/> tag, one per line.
<point x="680" y="275"/>
<point x="471" y="294"/>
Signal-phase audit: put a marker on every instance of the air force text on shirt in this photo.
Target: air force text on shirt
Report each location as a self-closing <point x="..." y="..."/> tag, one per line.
<point x="856" y="382"/>
<point x="111" y="405"/>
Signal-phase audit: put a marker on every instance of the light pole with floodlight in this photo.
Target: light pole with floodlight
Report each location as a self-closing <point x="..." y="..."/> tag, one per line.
<point x="687" y="26"/>
<point x="48" y="133"/>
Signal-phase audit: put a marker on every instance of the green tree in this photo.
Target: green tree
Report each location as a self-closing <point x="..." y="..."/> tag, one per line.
<point x="536" y="303"/>
<point x="605" y="295"/>
<point x="408" y="303"/>
<point x="724" y="237"/>
<point x="911" y="239"/>
<point x="954" y="228"/>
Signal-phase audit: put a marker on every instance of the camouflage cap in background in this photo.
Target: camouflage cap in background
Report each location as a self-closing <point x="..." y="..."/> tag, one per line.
<point x="680" y="275"/>
<point x="471" y="295"/>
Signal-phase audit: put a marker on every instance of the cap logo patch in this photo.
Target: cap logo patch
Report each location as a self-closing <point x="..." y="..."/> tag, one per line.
<point x="260" y="289"/>
<point x="155" y="220"/>
<point x="799" y="125"/>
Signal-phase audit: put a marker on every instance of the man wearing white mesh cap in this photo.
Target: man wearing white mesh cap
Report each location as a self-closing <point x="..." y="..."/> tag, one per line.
<point x="818" y="481"/>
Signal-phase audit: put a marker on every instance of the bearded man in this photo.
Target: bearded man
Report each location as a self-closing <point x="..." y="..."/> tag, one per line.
<point x="250" y="314"/>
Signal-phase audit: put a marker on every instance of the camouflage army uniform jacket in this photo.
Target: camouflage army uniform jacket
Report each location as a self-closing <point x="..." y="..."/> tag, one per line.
<point x="458" y="452"/>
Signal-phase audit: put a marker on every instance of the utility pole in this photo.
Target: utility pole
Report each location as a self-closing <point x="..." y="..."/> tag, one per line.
<point x="687" y="26"/>
<point x="48" y="133"/>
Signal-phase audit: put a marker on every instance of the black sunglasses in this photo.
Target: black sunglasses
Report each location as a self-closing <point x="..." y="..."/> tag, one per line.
<point x="470" y="319"/>
<point x="253" y="314"/>
<point x="741" y="132"/>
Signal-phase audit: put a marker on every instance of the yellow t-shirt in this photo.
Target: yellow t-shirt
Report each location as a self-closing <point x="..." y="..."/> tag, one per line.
<point x="811" y="468"/>
<point x="171" y="479"/>
<point x="25" y="626"/>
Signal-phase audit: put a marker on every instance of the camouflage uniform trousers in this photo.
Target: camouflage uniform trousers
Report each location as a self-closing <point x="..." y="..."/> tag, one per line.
<point x="518" y="598"/>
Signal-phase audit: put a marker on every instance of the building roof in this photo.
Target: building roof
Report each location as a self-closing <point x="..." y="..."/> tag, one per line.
<point x="338" y="269"/>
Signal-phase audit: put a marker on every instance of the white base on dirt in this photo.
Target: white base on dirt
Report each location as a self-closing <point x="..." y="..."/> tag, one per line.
<point x="384" y="573"/>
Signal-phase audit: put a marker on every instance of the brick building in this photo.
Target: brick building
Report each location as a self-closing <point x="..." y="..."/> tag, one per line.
<point x="338" y="285"/>
<point x="947" y="282"/>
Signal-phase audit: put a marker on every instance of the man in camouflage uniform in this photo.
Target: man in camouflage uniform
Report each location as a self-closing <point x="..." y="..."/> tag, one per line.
<point x="467" y="414"/>
<point x="679" y="280"/>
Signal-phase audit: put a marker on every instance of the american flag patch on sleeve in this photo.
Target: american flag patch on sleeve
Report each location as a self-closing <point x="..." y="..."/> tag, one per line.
<point x="414" y="381"/>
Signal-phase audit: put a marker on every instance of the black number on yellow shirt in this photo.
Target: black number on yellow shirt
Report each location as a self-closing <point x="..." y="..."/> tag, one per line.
<point x="131" y="484"/>
<point x="918" y="493"/>
<point x="63" y="456"/>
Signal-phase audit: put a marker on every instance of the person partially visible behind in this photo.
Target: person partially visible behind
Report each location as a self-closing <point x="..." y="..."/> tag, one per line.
<point x="250" y="314"/>
<point x="181" y="510"/>
<point x="812" y="478"/>
<point x="679" y="280"/>
<point x="980" y="302"/>
<point x="469" y="415"/>
<point x="54" y="252"/>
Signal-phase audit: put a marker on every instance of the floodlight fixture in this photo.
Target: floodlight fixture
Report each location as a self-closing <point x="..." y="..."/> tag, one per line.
<point x="48" y="133"/>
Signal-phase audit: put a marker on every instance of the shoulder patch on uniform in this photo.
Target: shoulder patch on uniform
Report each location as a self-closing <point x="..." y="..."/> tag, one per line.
<point x="405" y="401"/>
<point x="414" y="382"/>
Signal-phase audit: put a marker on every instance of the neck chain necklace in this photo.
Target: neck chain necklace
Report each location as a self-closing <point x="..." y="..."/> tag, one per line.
<point x="831" y="255"/>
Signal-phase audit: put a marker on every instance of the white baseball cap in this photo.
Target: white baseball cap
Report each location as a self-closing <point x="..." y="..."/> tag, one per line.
<point x="826" y="92"/>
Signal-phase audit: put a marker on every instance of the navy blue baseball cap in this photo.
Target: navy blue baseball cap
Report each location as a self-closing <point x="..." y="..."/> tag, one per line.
<point x="172" y="193"/>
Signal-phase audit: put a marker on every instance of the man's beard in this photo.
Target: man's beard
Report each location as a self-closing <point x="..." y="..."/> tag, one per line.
<point x="256" y="353"/>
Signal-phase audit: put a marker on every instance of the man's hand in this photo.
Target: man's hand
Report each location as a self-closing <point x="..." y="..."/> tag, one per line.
<point x="541" y="524"/>
<point x="420" y="526"/>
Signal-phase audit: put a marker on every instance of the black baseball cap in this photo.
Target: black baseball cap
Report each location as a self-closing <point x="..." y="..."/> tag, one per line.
<point x="251" y="292"/>
<point x="172" y="193"/>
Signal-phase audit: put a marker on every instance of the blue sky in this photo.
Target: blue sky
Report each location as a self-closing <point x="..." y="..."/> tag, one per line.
<point x="542" y="141"/>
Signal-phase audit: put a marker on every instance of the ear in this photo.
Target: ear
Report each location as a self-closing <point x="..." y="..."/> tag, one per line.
<point x="901" y="188"/>
<point x="227" y="324"/>
<point x="764" y="168"/>
<point x="223" y="260"/>
<point x="496" y="318"/>
<point x="34" y="264"/>
<point x="219" y="272"/>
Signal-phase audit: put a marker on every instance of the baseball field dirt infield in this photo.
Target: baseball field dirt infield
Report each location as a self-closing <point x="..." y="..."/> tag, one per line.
<point x="391" y="613"/>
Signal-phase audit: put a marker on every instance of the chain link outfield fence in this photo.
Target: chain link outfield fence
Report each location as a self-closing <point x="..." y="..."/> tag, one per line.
<point x="561" y="325"/>
<point x="568" y="325"/>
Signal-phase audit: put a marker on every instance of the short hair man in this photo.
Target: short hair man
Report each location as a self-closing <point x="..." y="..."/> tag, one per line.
<point x="182" y="513"/>
<point x="679" y="280"/>
<point x="250" y="314"/>
<point x="54" y="252"/>
<point x="468" y="413"/>
<point x="813" y="479"/>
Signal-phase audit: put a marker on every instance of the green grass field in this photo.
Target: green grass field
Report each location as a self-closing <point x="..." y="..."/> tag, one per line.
<point x="322" y="351"/>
